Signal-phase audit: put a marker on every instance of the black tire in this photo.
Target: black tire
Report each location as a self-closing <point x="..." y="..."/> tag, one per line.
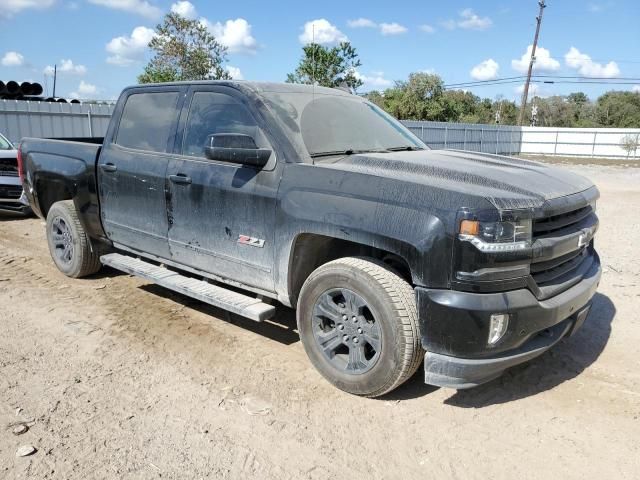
<point x="389" y="300"/>
<point x="69" y="245"/>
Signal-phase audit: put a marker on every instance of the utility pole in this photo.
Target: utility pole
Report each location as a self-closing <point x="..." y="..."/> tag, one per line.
<point x="55" y="78"/>
<point x="525" y="93"/>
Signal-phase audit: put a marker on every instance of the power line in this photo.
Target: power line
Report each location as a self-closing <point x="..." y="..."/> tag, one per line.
<point x="543" y="79"/>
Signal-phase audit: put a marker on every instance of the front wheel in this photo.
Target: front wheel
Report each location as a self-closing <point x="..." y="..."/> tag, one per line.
<point x="359" y="326"/>
<point x="69" y="244"/>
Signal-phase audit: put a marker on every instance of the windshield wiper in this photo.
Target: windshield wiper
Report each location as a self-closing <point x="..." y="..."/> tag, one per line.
<point x="407" y="148"/>
<point x="349" y="151"/>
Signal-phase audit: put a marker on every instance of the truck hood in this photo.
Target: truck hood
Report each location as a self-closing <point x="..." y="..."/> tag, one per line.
<point x="506" y="182"/>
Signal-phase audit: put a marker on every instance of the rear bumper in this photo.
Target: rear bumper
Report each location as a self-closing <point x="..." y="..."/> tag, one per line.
<point x="455" y="329"/>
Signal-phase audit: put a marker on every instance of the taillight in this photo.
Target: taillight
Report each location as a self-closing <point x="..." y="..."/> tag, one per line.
<point x="19" y="158"/>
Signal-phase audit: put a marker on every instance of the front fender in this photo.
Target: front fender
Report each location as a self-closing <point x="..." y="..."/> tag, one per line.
<point x="367" y="216"/>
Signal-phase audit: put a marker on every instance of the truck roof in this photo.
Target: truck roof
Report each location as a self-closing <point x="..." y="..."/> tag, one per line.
<point x="258" y="87"/>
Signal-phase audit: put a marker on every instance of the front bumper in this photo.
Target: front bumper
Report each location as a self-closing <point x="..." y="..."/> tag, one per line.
<point x="455" y="328"/>
<point x="12" y="196"/>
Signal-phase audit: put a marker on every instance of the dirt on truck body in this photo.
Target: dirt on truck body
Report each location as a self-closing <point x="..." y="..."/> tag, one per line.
<point x="243" y="194"/>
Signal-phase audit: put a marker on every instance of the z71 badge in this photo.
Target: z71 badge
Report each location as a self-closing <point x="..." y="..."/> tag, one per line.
<point x="252" y="241"/>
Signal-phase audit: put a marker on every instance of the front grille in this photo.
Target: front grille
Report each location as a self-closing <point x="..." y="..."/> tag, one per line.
<point x="553" y="275"/>
<point x="8" y="167"/>
<point x="10" y="193"/>
<point x="556" y="223"/>
<point x="545" y="272"/>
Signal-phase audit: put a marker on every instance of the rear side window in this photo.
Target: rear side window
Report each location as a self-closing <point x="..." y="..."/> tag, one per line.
<point x="147" y="121"/>
<point x="212" y="113"/>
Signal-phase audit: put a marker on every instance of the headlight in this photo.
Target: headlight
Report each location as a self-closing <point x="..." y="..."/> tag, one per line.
<point x="501" y="236"/>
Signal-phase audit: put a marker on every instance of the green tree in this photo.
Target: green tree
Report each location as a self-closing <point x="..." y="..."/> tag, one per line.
<point x="328" y="67"/>
<point x="184" y="50"/>
<point x="618" y="109"/>
<point x="578" y="98"/>
<point x="423" y="97"/>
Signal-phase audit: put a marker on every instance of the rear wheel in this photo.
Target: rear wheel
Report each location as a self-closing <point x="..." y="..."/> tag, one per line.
<point x="358" y="323"/>
<point x="69" y="244"/>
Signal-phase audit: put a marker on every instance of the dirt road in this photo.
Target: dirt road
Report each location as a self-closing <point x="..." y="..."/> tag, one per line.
<point x="120" y="379"/>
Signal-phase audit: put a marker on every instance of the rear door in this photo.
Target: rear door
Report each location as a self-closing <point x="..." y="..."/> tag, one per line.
<point x="222" y="214"/>
<point x="132" y="169"/>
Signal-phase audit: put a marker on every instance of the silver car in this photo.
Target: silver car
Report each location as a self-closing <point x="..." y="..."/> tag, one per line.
<point x="12" y="197"/>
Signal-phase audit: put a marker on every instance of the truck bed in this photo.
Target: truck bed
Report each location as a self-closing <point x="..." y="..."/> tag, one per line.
<point x="63" y="168"/>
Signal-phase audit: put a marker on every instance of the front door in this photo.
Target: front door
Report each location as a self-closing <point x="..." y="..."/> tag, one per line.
<point x="132" y="171"/>
<point x="221" y="215"/>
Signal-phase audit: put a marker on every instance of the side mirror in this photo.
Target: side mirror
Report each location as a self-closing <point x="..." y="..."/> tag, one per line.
<point x="236" y="148"/>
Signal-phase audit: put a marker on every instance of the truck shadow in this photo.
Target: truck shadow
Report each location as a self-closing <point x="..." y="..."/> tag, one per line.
<point x="565" y="361"/>
<point x="282" y="328"/>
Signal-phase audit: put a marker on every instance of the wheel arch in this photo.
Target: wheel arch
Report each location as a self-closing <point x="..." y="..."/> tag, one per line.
<point x="311" y="250"/>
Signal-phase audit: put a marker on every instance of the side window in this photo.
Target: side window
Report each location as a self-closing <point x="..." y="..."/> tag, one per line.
<point x="147" y="120"/>
<point x="217" y="113"/>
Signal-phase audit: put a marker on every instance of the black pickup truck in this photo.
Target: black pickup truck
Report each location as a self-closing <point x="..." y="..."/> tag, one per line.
<point x="241" y="194"/>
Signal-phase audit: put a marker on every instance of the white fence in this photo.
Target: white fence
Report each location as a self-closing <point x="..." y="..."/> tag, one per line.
<point x="576" y="142"/>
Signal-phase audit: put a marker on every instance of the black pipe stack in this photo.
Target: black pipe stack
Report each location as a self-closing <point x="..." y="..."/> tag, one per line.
<point x="13" y="90"/>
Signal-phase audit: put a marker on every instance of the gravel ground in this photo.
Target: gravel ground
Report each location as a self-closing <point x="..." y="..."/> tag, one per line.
<point x="116" y="378"/>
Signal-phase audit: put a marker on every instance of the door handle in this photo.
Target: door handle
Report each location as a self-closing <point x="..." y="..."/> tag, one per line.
<point x="180" y="179"/>
<point x="108" y="167"/>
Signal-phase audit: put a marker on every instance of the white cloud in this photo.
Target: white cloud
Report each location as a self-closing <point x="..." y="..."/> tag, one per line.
<point x="449" y="24"/>
<point x="84" y="90"/>
<point x="185" y="9"/>
<point x="427" y="28"/>
<point x="392" y="29"/>
<point x="66" y="66"/>
<point x="362" y="23"/>
<point x="472" y="21"/>
<point x="12" y="59"/>
<point x="635" y="88"/>
<point x="599" y="7"/>
<point x="469" y="21"/>
<point x="321" y="32"/>
<point x="374" y="81"/>
<point x="125" y="51"/>
<point x="10" y="7"/>
<point x="587" y="67"/>
<point x="487" y="70"/>
<point x="140" y="7"/>
<point x="544" y="61"/>
<point x="235" y="72"/>
<point x="233" y="34"/>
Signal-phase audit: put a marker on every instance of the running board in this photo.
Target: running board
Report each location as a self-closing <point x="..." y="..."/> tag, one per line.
<point x="221" y="297"/>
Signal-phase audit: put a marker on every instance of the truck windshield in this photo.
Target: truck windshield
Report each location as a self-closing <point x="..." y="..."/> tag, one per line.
<point x="341" y="124"/>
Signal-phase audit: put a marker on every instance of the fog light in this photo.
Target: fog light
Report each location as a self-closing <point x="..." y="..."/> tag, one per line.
<point x="497" y="327"/>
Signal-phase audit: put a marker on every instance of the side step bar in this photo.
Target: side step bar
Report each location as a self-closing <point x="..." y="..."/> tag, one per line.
<point x="205" y="292"/>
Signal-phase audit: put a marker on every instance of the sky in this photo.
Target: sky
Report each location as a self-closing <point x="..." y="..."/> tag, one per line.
<point x="99" y="46"/>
